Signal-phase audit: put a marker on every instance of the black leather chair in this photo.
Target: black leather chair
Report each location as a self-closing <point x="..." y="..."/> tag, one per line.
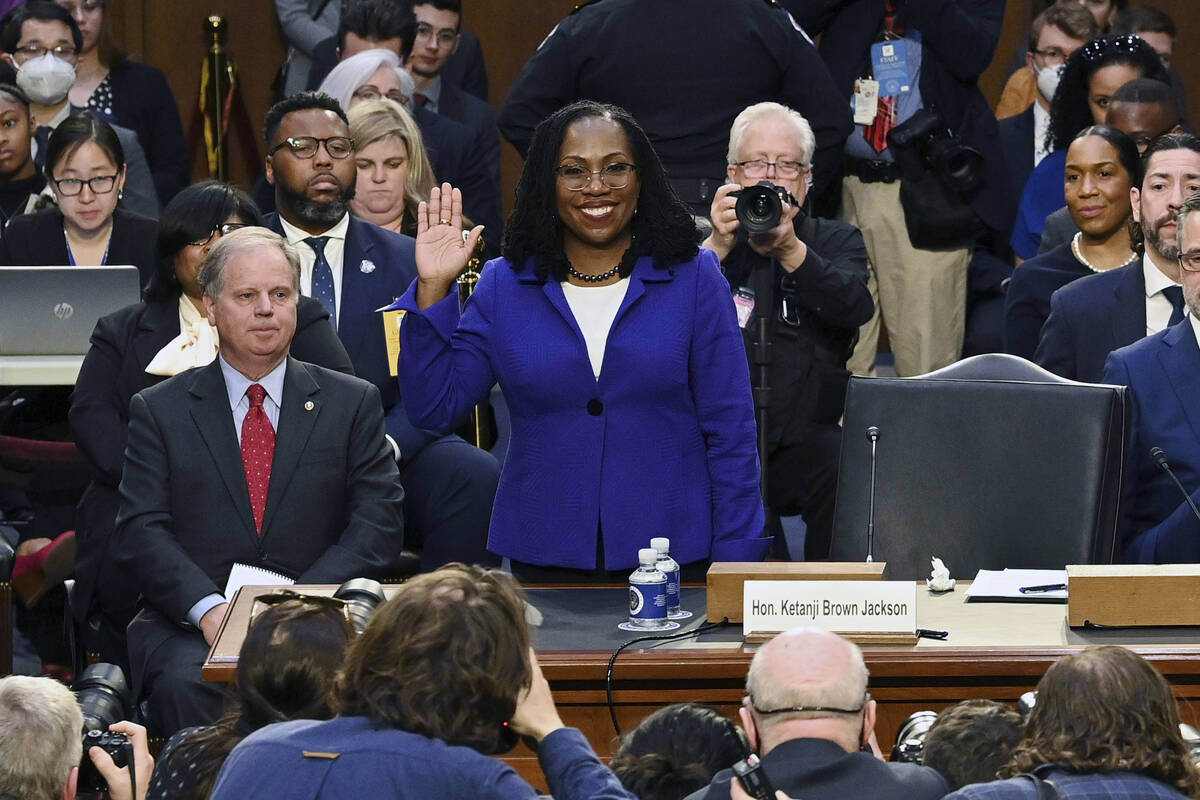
<point x="989" y="463"/>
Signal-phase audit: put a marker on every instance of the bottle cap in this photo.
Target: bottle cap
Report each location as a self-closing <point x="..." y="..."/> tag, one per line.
<point x="647" y="556"/>
<point x="661" y="543"/>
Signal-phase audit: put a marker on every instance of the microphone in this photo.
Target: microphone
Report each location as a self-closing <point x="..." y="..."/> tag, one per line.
<point x="872" y="437"/>
<point x="1160" y="458"/>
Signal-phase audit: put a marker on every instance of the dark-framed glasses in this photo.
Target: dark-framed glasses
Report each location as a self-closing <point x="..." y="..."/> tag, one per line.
<point x="749" y="701"/>
<point x="338" y="147"/>
<point x="223" y="229"/>
<point x="757" y="168"/>
<point x="575" y="177"/>
<point x="265" y="601"/>
<point x="1190" y="261"/>
<point x="101" y="184"/>
<point x="445" y="37"/>
<point x="30" y="51"/>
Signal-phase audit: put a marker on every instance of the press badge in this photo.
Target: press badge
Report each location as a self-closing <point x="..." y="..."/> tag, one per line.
<point x="889" y="61"/>
<point x="743" y="301"/>
<point x="866" y="101"/>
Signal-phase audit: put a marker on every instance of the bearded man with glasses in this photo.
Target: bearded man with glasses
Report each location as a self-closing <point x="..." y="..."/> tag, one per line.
<point x="1159" y="522"/>
<point x="807" y="279"/>
<point x="808" y="716"/>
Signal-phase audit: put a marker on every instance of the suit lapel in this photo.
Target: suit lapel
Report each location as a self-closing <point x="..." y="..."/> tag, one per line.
<point x="356" y="290"/>
<point x="159" y="325"/>
<point x="1129" y="321"/>
<point x="1180" y="359"/>
<point x="297" y="418"/>
<point x="210" y="411"/>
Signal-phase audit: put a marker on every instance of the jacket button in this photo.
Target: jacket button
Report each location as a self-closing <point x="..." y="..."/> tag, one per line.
<point x="595" y="407"/>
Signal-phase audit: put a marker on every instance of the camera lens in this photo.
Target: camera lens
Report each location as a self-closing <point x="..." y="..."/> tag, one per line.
<point x="759" y="208"/>
<point x="910" y="739"/>
<point x="363" y="596"/>
<point x="103" y="695"/>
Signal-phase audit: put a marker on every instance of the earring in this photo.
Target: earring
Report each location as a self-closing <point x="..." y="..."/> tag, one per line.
<point x="121" y="195"/>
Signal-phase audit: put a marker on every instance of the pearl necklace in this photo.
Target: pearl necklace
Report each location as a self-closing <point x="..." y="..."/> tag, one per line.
<point x="603" y="276"/>
<point x="1077" y="251"/>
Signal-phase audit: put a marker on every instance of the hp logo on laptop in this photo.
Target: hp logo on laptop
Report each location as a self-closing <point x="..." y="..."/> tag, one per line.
<point x="63" y="310"/>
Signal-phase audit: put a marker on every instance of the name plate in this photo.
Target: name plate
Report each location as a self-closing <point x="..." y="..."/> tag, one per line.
<point x="840" y="606"/>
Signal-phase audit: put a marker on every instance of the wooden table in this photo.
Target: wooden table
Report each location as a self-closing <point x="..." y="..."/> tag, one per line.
<point x="994" y="650"/>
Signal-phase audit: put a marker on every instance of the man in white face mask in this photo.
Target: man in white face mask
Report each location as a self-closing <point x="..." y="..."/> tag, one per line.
<point x="42" y="42"/>
<point x="1055" y="34"/>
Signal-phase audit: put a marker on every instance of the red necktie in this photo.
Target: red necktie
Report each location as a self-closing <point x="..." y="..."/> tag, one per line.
<point x="420" y="99"/>
<point x="885" y="114"/>
<point x="258" y="451"/>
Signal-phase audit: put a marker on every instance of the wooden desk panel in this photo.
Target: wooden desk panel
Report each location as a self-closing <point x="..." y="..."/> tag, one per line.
<point x="995" y="650"/>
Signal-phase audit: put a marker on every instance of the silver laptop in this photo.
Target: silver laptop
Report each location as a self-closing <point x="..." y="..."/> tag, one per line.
<point x="50" y="311"/>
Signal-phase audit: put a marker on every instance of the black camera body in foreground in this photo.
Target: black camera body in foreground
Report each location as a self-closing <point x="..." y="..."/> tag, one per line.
<point x="760" y="207"/>
<point x="103" y="695"/>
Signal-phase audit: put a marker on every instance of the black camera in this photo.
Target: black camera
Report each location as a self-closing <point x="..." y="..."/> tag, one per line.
<point x="363" y="597"/>
<point x="924" y="142"/>
<point x="760" y="207"/>
<point x="910" y="739"/>
<point x="103" y="696"/>
<point x="754" y="780"/>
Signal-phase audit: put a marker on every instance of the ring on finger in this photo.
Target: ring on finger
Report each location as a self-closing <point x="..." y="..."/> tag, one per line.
<point x="445" y="222"/>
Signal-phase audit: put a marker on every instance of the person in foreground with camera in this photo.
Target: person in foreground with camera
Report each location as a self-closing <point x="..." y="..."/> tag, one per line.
<point x="809" y="717"/>
<point x="41" y="747"/>
<point x="1105" y="725"/>
<point x="805" y="280"/>
<point x="442" y="678"/>
<point x="970" y="741"/>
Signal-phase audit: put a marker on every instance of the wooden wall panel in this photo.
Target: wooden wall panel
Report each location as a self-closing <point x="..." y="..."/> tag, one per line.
<point x="169" y="36"/>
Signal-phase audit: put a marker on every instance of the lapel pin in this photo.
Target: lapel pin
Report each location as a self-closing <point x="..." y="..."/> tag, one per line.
<point x="367" y="266"/>
<point x="309" y="406"/>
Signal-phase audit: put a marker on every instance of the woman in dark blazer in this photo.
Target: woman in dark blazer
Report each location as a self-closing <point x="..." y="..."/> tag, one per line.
<point x="136" y="347"/>
<point x="85" y="165"/>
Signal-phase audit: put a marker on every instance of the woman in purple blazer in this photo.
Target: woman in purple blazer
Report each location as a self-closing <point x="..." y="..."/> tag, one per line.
<point x="615" y="341"/>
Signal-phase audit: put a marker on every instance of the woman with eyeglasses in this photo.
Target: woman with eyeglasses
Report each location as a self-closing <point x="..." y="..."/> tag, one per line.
<point x="1102" y="165"/>
<point x="85" y="167"/>
<point x="286" y="670"/>
<point x="615" y="341"/>
<point x="128" y="93"/>
<point x="394" y="175"/>
<point x="1090" y="78"/>
<point x="137" y="347"/>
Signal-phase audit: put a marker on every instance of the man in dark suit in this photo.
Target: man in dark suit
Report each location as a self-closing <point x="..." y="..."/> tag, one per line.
<point x="1054" y="36"/>
<point x="313" y="494"/>
<point x="1091" y="317"/>
<point x="1163" y="375"/>
<point x="355" y="269"/>
<point x="437" y="37"/>
<point x="808" y="716"/>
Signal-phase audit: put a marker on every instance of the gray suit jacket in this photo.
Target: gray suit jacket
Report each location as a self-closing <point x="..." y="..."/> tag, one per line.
<point x="333" y="505"/>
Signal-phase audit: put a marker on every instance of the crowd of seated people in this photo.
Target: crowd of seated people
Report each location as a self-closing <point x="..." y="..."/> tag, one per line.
<point x="265" y="379"/>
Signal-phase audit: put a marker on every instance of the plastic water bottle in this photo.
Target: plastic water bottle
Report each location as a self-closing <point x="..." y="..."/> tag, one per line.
<point x="648" y="594"/>
<point x="669" y="567"/>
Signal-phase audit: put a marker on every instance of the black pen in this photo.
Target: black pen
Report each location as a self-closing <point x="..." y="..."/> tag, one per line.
<point x="1049" y="587"/>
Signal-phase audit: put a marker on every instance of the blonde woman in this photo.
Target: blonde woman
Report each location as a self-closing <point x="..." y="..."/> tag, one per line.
<point x="394" y="173"/>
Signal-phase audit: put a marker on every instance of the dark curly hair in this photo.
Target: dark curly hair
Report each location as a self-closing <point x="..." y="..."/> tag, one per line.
<point x="446" y="657"/>
<point x="286" y="670"/>
<point x="190" y="216"/>
<point x="663" y="228"/>
<point x="970" y="741"/>
<point x="1106" y="709"/>
<point x="301" y="101"/>
<point x="676" y="751"/>
<point x="1069" y="110"/>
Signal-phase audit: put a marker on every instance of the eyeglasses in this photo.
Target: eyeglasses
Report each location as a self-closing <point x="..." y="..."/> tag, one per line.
<point x="27" y="52"/>
<point x="818" y="709"/>
<point x="445" y="37"/>
<point x="1052" y="57"/>
<point x="615" y="176"/>
<point x="757" y="168"/>
<point x="265" y="601"/>
<point x="371" y="93"/>
<point x="101" y="184"/>
<point x="338" y="147"/>
<point x="1190" y="261"/>
<point x="221" y="230"/>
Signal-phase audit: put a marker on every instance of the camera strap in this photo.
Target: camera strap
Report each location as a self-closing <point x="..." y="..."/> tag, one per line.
<point x="1045" y="789"/>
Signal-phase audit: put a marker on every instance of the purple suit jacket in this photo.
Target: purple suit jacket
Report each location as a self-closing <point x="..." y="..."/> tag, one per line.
<point x="662" y="444"/>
